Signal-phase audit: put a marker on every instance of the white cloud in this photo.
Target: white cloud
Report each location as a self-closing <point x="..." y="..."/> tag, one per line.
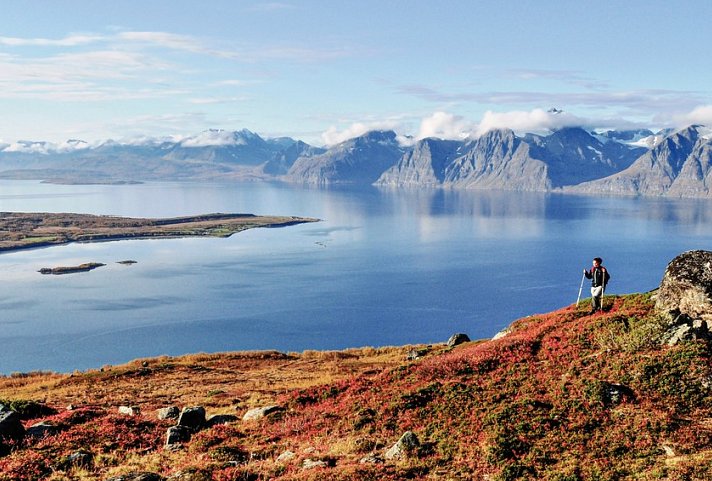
<point x="68" y="41"/>
<point x="216" y="100"/>
<point x="445" y="126"/>
<point x="699" y="115"/>
<point x="213" y="138"/>
<point x="333" y="136"/>
<point x="537" y="120"/>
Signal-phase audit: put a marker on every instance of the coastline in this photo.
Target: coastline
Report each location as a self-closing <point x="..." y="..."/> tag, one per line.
<point x="20" y="231"/>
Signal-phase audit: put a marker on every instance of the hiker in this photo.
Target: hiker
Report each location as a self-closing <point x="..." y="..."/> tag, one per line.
<point x="599" y="279"/>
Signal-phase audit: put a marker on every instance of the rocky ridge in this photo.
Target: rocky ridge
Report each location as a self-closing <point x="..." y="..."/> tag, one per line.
<point x="569" y="160"/>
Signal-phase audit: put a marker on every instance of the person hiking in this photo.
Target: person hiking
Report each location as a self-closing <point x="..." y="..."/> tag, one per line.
<point x="599" y="279"/>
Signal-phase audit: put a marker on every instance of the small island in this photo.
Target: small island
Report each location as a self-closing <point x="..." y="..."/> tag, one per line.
<point x="20" y="230"/>
<point x="71" y="269"/>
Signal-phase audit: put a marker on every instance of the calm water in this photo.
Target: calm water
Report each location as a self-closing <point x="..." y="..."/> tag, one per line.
<point x="383" y="267"/>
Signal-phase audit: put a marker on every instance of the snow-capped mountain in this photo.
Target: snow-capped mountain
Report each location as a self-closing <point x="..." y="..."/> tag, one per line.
<point x="635" y="162"/>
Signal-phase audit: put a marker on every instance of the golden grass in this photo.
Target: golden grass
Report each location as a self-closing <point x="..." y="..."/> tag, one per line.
<point x="223" y="382"/>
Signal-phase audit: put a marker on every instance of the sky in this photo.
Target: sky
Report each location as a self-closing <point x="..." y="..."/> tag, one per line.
<point x="325" y="71"/>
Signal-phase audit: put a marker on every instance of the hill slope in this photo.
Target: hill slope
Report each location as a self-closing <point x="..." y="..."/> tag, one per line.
<point x="561" y="396"/>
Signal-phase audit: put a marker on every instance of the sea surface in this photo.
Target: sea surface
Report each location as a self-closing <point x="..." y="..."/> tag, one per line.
<point x="383" y="267"/>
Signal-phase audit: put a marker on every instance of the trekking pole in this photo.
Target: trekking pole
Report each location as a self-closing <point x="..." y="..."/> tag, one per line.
<point x="583" y="276"/>
<point x="603" y="288"/>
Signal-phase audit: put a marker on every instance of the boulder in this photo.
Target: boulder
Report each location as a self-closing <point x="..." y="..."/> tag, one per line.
<point x="686" y="295"/>
<point x="286" y="456"/>
<point x="191" y="474"/>
<point x="10" y="425"/>
<point x="42" y="429"/>
<point x="176" y="435"/>
<point x="221" y="419"/>
<point x="404" y="447"/>
<point x="192" y="418"/>
<point x="171" y="412"/>
<point x="78" y="459"/>
<point x="129" y="410"/>
<point x="457" y="339"/>
<point x="258" y="413"/>
<point x="686" y="287"/>
<point x="371" y="459"/>
<point x="415" y="354"/>
<point x="314" y="463"/>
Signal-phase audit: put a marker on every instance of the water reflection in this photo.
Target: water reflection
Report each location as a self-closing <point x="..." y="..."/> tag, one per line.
<point x="385" y="266"/>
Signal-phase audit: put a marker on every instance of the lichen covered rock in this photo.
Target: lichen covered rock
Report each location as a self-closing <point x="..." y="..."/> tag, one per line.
<point x="686" y="295"/>
<point x="686" y="287"/>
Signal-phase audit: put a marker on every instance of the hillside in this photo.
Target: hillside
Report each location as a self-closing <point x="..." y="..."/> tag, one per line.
<point x="560" y="396"/>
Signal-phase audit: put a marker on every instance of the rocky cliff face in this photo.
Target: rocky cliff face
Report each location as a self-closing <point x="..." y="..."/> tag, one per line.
<point x="424" y="165"/>
<point x="679" y="166"/>
<point x="686" y="295"/>
<point x="498" y="160"/>
<point x="361" y="161"/>
<point x="283" y="160"/>
<point x="502" y="160"/>
<point x="574" y="156"/>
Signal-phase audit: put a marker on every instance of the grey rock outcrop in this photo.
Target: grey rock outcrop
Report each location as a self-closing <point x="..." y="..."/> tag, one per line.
<point x="406" y="446"/>
<point x="220" y="419"/>
<point x="314" y="463"/>
<point x="261" y="412"/>
<point x="686" y="295"/>
<point x="286" y="456"/>
<point x="10" y="424"/>
<point x="457" y="339"/>
<point x="371" y="459"/>
<point x="415" y="354"/>
<point x="192" y="418"/>
<point x="78" y="459"/>
<point x="130" y="410"/>
<point x="176" y="435"/>
<point x="42" y="429"/>
<point x="170" y="412"/>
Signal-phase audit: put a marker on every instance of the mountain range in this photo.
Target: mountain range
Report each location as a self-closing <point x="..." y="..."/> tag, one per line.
<point x="632" y="162"/>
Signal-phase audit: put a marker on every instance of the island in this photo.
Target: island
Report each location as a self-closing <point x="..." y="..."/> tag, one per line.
<point x="71" y="269"/>
<point x="20" y="230"/>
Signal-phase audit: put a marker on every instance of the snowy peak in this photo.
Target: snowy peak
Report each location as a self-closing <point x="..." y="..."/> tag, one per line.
<point x="217" y="138"/>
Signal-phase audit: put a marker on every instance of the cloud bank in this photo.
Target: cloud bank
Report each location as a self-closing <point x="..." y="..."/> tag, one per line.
<point x="448" y="126"/>
<point x="700" y="115"/>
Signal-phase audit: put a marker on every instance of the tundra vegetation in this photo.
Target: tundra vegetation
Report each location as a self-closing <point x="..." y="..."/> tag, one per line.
<point x="562" y="396"/>
<point x="20" y="230"/>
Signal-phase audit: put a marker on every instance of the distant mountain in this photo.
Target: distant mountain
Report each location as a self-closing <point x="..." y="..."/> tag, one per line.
<point x="573" y="155"/>
<point x="284" y="159"/>
<point x="361" y="160"/>
<point x="497" y="160"/>
<point x="423" y="165"/>
<point x="678" y="166"/>
<point x="633" y="162"/>
<point x="242" y="147"/>
<point x="501" y="160"/>
<point x="212" y="154"/>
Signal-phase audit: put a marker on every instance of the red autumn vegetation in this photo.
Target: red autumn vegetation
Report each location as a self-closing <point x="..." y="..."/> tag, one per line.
<point x="562" y="397"/>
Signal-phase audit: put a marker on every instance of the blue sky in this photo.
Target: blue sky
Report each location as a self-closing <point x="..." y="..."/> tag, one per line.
<point x="323" y="71"/>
